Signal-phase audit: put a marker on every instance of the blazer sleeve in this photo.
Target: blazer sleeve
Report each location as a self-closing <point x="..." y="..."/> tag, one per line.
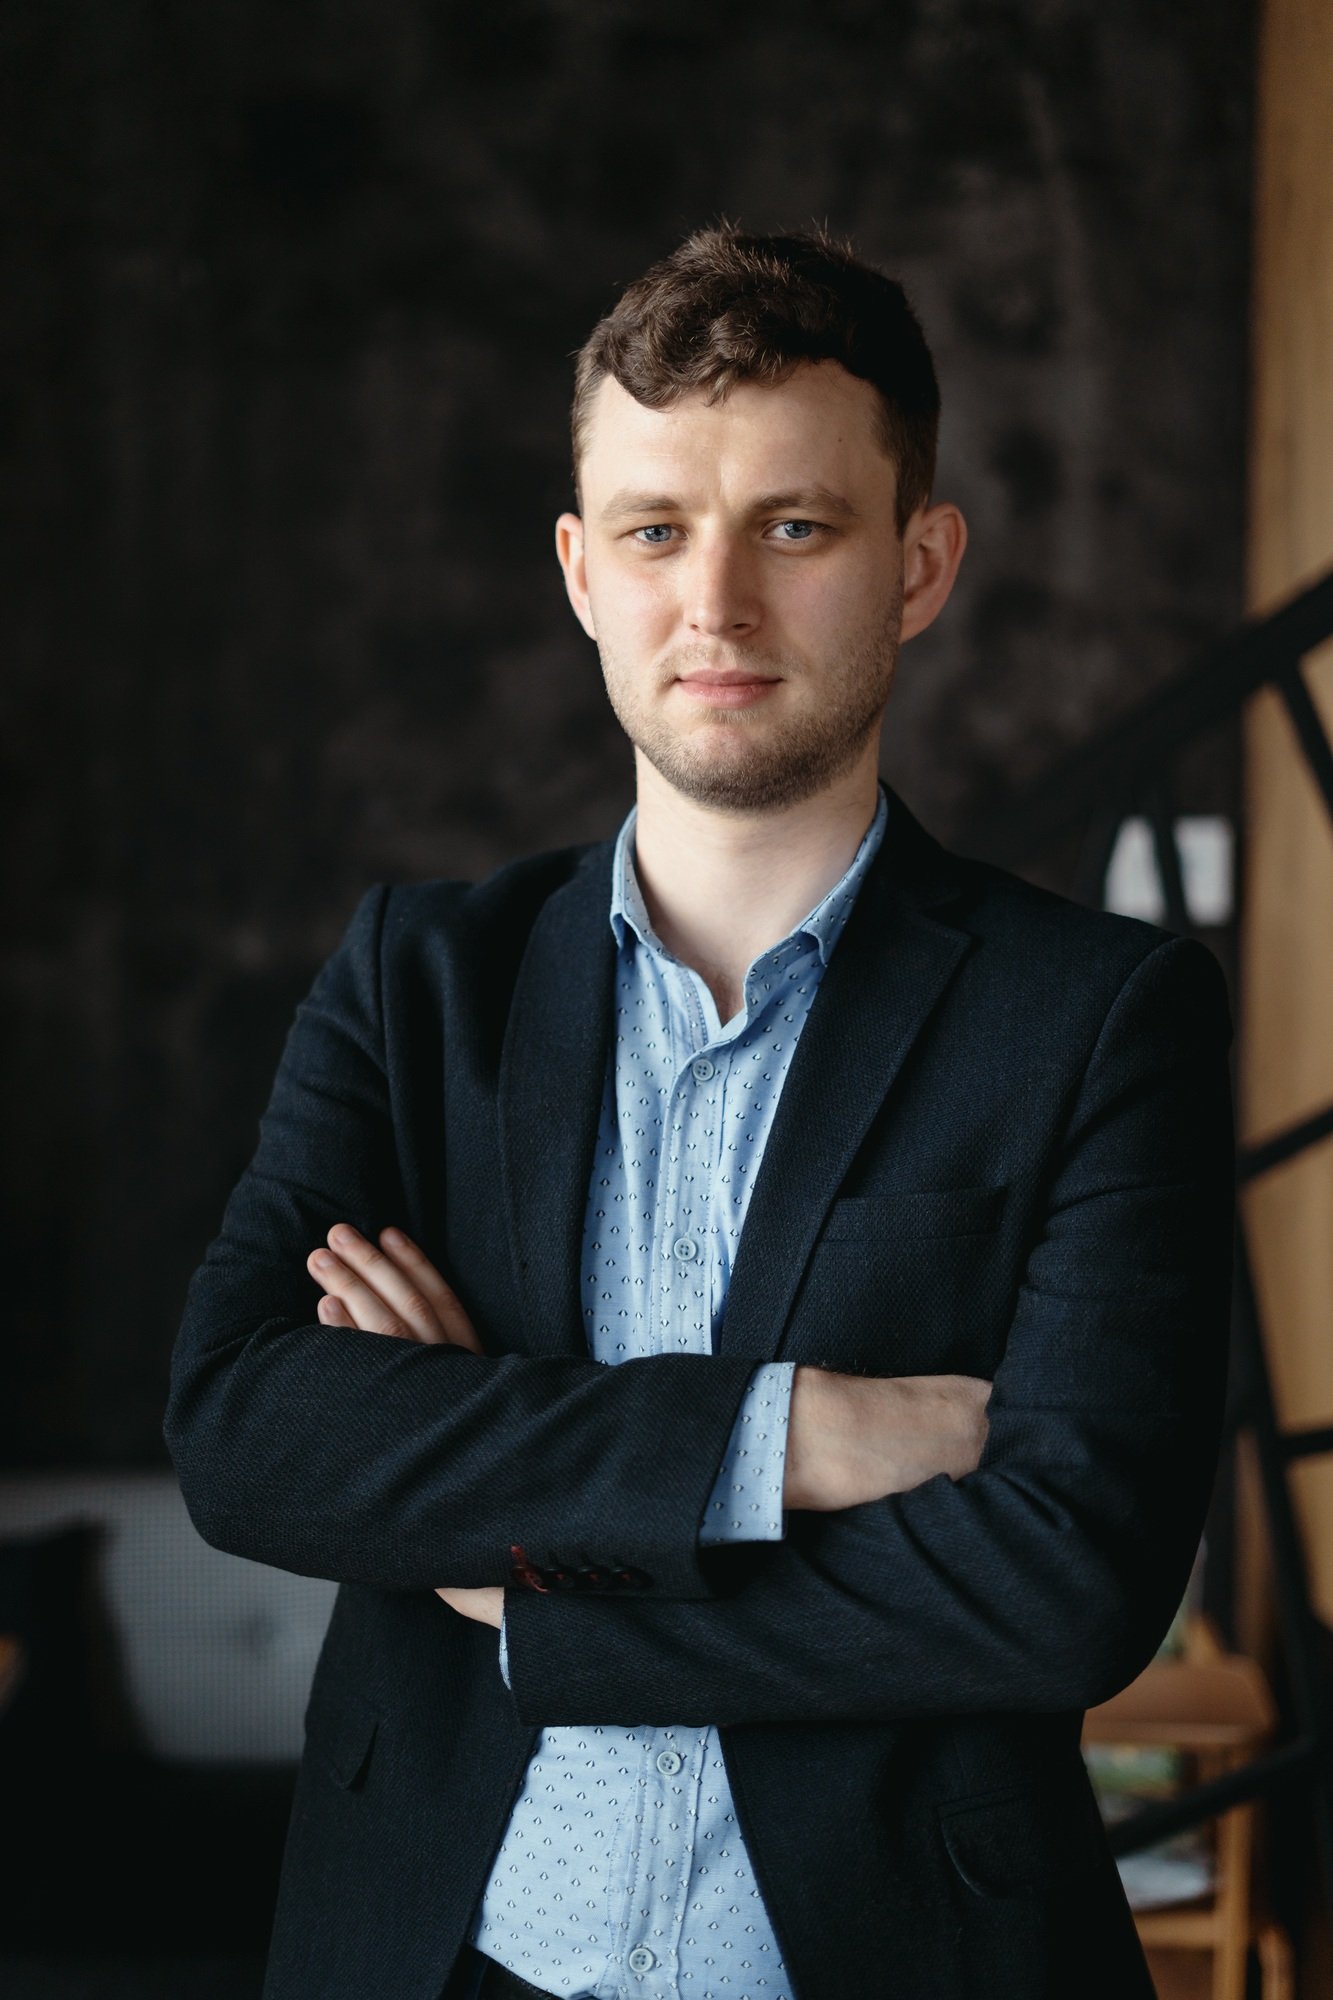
<point x="350" y="1455"/>
<point x="745" y="1504"/>
<point x="1045" y="1579"/>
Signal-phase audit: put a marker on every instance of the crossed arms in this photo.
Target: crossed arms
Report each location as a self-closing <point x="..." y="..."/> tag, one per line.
<point x="850" y="1438"/>
<point x="1041" y="1580"/>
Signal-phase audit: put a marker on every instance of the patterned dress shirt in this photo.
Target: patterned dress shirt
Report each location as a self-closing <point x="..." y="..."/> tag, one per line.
<point x="623" y="1873"/>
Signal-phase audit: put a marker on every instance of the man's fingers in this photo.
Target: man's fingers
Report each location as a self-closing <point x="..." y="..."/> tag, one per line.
<point x="443" y="1298"/>
<point x="369" y="1308"/>
<point x="400" y="1294"/>
<point x="332" y="1312"/>
<point x="484" y="1602"/>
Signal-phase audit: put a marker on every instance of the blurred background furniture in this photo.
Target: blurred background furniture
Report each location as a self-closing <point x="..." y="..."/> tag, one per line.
<point x="148" y="1748"/>
<point x="212" y="1655"/>
<point x="1215" y="1708"/>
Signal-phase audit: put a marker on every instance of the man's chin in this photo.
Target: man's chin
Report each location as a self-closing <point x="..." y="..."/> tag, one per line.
<point x="741" y="777"/>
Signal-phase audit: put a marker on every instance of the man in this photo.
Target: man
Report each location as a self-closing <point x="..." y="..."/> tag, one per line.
<point x="807" y="1259"/>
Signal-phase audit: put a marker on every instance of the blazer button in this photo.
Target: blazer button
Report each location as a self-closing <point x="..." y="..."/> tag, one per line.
<point x="630" y="1579"/>
<point x="522" y="1571"/>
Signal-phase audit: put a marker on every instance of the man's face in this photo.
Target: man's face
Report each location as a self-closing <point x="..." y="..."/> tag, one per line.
<point x="741" y="570"/>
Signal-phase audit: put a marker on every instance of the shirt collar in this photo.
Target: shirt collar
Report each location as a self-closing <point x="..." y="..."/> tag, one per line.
<point x="823" y="924"/>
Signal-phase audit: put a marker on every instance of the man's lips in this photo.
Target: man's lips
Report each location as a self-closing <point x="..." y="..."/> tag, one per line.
<point x="727" y="687"/>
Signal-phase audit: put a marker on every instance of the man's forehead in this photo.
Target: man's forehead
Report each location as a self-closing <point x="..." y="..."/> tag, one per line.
<point x="819" y="427"/>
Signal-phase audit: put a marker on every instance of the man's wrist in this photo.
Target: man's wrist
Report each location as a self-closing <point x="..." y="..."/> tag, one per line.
<point x="854" y="1438"/>
<point x="817" y="1429"/>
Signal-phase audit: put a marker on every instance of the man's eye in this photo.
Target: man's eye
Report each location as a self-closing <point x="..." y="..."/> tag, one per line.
<point x="655" y="534"/>
<point x="804" y="531"/>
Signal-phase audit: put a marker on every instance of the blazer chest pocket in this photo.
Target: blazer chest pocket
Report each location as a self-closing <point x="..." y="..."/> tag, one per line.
<point x="898" y="1281"/>
<point x="958" y="1211"/>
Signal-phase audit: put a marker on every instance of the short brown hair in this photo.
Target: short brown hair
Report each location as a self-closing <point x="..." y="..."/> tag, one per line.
<point x="725" y="307"/>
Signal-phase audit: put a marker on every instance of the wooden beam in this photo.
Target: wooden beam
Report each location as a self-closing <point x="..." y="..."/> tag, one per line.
<point x="1285" y="1054"/>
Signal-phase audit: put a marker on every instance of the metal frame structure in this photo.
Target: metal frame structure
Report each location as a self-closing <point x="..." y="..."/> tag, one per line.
<point x="1126" y="770"/>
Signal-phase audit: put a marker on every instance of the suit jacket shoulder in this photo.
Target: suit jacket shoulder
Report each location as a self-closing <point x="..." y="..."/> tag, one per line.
<point x="1069" y="959"/>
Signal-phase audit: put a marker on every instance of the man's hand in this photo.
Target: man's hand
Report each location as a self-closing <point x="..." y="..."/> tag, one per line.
<point x="853" y="1438"/>
<point x="485" y="1603"/>
<point x="396" y="1290"/>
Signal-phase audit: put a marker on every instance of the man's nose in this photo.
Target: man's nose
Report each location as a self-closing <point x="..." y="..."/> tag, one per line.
<point x="721" y="598"/>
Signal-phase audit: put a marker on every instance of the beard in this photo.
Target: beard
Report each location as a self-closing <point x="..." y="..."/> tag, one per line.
<point x="739" y="760"/>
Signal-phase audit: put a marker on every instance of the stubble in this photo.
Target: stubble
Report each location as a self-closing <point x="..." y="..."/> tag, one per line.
<point x="744" y="760"/>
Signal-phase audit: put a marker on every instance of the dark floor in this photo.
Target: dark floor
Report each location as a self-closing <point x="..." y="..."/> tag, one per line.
<point x="131" y="1979"/>
<point x="136" y="1880"/>
<point x="1178" y="1976"/>
<point x="167" y="1884"/>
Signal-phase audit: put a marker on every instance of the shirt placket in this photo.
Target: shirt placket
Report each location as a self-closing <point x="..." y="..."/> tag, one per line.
<point x="666" y="1815"/>
<point x="680" y="1245"/>
<point x="672" y="1759"/>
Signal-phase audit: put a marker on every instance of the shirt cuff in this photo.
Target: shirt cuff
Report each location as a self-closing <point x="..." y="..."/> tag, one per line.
<point x="745" y="1504"/>
<point x="504" y="1653"/>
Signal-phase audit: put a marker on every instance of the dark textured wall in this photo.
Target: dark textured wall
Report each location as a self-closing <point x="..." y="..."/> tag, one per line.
<point x="290" y="298"/>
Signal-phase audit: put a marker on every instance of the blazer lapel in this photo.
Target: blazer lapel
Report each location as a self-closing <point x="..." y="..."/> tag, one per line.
<point x="552" y="1072"/>
<point x="888" y="970"/>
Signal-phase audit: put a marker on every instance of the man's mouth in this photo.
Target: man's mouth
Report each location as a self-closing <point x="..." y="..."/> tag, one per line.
<point x="728" y="687"/>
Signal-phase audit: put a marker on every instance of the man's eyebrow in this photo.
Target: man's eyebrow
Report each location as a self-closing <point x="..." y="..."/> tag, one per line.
<point x="796" y="501"/>
<point x="624" y="503"/>
<point x="806" y="500"/>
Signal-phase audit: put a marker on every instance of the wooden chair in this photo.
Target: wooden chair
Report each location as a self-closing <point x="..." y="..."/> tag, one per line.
<point x="1216" y="1707"/>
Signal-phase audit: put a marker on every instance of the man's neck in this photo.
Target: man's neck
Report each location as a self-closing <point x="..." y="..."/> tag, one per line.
<point x="721" y="888"/>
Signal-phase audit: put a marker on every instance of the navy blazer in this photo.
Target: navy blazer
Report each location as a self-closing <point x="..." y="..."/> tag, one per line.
<point x="1004" y="1148"/>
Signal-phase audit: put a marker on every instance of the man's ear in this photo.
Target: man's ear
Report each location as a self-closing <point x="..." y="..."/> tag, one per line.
<point x="569" y="548"/>
<point x="933" y="544"/>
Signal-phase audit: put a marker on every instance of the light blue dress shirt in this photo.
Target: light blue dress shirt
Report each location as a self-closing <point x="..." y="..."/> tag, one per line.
<point x="623" y="1871"/>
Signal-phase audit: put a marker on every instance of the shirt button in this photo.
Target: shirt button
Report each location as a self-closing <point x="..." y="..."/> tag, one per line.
<point x="641" y="1959"/>
<point x="702" y="1068"/>
<point x="685" y="1249"/>
<point x="669" y="1762"/>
